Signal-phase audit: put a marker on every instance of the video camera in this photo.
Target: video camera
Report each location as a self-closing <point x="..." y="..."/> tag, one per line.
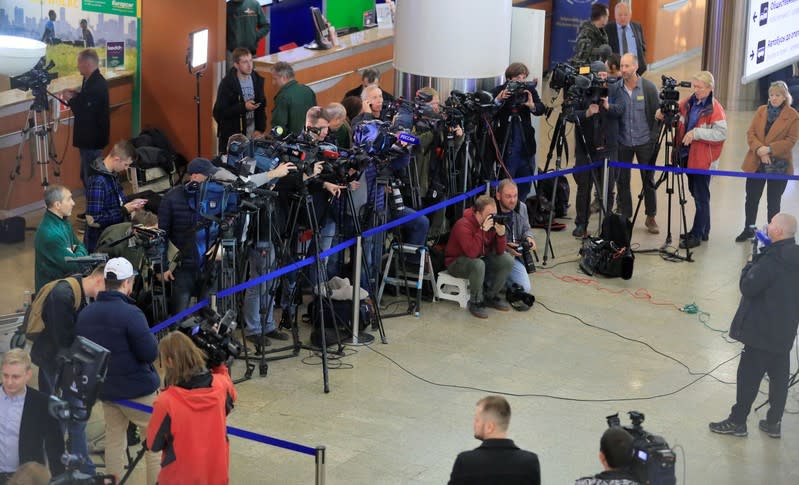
<point x="213" y="335"/>
<point x="670" y="97"/>
<point x="576" y="83"/>
<point x="36" y="80"/>
<point x="151" y="240"/>
<point x="417" y="113"/>
<point x="516" y="91"/>
<point x="79" y="374"/>
<point x="653" y="460"/>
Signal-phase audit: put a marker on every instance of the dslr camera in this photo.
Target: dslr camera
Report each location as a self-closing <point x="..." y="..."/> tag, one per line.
<point x="501" y="218"/>
<point x="526" y="250"/>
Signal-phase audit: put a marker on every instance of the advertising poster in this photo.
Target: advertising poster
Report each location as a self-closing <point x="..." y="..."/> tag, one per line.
<point x="567" y="16"/>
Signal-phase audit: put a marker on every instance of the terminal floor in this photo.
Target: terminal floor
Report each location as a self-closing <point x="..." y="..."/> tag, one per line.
<point x="399" y="413"/>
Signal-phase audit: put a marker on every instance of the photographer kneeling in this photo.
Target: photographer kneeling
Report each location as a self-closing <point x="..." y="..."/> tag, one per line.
<point x="476" y="248"/>
<point x="616" y="456"/>
<point x="192" y="409"/>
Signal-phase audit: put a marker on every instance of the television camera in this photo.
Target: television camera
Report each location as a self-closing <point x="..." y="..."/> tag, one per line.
<point x="653" y="459"/>
<point x="670" y="97"/>
<point x="516" y="91"/>
<point x="578" y="83"/>
<point x="79" y="374"/>
<point x="213" y="335"/>
<point x="36" y="80"/>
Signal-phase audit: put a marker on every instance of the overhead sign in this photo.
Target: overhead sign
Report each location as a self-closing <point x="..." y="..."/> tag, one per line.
<point x="772" y="38"/>
<point x="116" y="7"/>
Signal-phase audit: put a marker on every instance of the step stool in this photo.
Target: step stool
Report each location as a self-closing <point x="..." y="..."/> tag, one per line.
<point x="451" y="288"/>
<point x="425" y="272"/>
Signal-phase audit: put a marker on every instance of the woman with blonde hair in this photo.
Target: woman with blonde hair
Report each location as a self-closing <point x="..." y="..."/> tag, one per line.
<point x="192" y="409"/>
<point x="771" y="138"/>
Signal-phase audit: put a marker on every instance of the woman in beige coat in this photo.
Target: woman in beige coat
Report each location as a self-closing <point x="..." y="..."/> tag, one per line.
<point x="771" y="137"/>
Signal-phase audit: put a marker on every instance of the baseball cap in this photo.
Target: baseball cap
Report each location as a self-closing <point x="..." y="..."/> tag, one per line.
<point x="202" y="166"/>
<point x="598" y="66"/>
<point x="119" y="269"/>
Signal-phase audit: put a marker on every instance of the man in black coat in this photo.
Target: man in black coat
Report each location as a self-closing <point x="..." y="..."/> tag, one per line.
<point x="240" y="103"/>
<point x="625" y="36"/>
<point x="498" y="459"/>
<point x="92" y="112"/>
<point x="766" y="323"/>
<point x="27" y="431"/>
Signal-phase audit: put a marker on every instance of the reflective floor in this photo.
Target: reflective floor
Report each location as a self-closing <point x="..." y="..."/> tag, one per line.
<point x="590" y="347"/>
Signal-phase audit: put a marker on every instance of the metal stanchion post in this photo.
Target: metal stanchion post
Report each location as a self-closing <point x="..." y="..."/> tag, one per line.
<point x="320" y="465"/>
<point x="365" y="338"/>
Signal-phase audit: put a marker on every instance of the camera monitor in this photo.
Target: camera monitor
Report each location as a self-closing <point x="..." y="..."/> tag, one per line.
<point x="322" y="41"/>
<point x="198" y="51"/>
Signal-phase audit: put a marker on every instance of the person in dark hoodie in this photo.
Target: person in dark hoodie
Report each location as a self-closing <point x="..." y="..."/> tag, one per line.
<point x="105" y="200"/>
<point x="192" y="409"/>
<point x="240" y="103"/>
<point x="616" y="456"/>
<point x="765" y="323"/>
<point x="116" y="323"/>
<point x="476" y="248"/>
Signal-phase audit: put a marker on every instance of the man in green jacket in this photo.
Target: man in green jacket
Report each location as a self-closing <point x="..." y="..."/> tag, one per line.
<point x="246" y="26"/>
<point x="292" y="100"/>
<point x="55" y="238"/>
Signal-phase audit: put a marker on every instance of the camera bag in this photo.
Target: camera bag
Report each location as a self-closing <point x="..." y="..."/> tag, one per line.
<point x="12" y="230"/>
<point x="338" y="314"/>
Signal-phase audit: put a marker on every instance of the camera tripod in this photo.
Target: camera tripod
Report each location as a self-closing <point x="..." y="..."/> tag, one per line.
<point x="666" y="137"/>
<point x="556" y="147"/>
<point x="37" y="132"/>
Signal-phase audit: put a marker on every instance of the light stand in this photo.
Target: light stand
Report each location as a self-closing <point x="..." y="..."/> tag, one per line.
<point x="197" y="62"/>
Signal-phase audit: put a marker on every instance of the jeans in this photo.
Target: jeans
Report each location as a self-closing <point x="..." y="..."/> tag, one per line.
<point x="87" y="157"/>
<point x="754" y="190"/>
<point x="327" y="232"/>
<point x="585" y="180"/>
<point x="643" y="154"/>
<point x="518" y="275"/>
<point x="753" y="365"/>
<point x="699" y="185"/>
<point x="496" y="266"/>
<point x="188" y="283"/>
<point x="520" y="166"/>
<point x="256" y="298"/>
<point x="76" y="430"/>
<point x="117" y="418"/>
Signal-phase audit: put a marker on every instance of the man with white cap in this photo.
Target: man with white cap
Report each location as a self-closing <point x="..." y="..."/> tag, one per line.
<point x="116" y="323"/>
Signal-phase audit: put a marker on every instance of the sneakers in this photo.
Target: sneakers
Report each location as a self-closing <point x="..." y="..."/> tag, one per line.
<point x="728" y="427"/>
<point x="773" y="430"/>
<point x="652" y="225"/>
<point x="580" y="231"/>
<point x="497" y="304"/>
<point x="478" y="310"/>
<point x="745" y="235"/>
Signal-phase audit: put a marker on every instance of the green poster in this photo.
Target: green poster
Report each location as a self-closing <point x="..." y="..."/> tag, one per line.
<point x="117" y="7"/>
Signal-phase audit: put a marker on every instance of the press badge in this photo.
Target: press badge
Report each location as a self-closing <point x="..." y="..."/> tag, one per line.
<point x="640" y="97"/>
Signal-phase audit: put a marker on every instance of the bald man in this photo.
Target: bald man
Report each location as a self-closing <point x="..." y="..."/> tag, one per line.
<point x="498" y="459"/>
<point x="766" y="324"/>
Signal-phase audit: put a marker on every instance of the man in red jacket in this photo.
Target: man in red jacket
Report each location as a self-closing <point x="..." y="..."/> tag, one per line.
<point x="476" y="249"/>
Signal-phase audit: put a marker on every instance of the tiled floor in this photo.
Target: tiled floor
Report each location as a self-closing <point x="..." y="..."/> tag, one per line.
<point x="399" y="413"/>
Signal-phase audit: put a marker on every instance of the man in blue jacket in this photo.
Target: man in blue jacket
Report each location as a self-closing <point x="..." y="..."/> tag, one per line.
<point x="114" y="322"/>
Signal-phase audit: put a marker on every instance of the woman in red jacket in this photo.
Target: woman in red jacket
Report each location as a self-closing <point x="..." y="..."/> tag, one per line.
<point x="771" y="138"/>
<point x="189" y="416"/>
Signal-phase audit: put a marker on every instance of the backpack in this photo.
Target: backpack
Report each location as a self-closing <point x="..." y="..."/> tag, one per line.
<point x="33" y="323"/>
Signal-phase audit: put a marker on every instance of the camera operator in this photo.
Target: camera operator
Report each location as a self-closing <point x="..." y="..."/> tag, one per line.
<point x="515" y="114"/>
<point x="180" y="222"/>
<point x="616" y="456"/>
<point x="116" y="323"/>
<point x="599" y="117"/>
<point x="638" y="135"/>
<point x="60" y="317"/>
<point x="765" y="323"/>
<point x="476" y="248"/>
<point x="27" y="431"/>
<point x="701" y="133"/>
<point x="519" y="235"/>
<point x="191" y="409"/>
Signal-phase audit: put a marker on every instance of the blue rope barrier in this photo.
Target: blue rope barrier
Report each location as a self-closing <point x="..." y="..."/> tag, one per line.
<point x="720" y="173"/>
<point x="241" y="433"/>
